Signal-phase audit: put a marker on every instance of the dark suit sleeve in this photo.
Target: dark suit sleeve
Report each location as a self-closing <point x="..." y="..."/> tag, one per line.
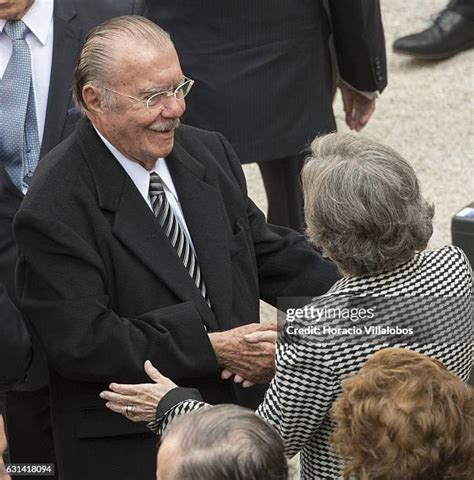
<point x="15" y="344"/>
<point x="138" y="7"/>
<point x="287" y="265"/>
<point x="360" y="43"/>
<point x="61" y="285"/>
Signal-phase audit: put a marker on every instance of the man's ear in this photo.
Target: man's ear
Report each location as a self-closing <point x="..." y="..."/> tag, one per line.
<point x="92" y="100"/>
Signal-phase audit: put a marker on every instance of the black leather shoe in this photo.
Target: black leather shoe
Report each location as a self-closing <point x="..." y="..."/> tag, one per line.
<point x="450" y="33"/>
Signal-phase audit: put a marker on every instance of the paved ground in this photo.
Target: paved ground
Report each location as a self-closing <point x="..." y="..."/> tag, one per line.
<point x="426" y="113"/>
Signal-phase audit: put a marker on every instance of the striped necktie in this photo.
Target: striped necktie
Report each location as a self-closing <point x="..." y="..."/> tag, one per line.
<point x="173" y="230"/>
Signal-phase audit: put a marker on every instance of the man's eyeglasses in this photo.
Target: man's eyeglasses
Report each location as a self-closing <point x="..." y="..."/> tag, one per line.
<point x="158" y="99"/>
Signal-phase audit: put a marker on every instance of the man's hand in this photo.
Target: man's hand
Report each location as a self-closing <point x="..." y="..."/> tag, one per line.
<point x="357" y="107"/>
<point x="249" y="360"/>
<point x="254" y="337"/>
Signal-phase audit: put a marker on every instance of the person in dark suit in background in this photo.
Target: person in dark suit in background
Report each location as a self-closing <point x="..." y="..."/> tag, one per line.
<point x="266" y="78"/>
<point x="137" y="241"/>
<point x="39" y="43"/>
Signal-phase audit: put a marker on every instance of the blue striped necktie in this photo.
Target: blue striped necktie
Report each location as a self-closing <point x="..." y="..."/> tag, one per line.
<point x="19" y="139"/>
<point x="173" y="230"/>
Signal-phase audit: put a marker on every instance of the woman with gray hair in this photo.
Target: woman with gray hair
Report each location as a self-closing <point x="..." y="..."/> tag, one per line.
<point x="364" y="209"/>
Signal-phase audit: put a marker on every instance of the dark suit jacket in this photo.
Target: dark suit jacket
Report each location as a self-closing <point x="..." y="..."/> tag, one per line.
<point x="263" y="68"/>
<point x="104" y="289"/>
<point x="15" y="344"/>
<point x="72" y="20"/>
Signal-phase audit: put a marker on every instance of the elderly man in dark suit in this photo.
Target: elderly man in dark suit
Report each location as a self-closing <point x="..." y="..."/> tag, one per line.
<point x="267" y="80"/>
<point x="39" y="43"/>
<point x="137" y="241"/>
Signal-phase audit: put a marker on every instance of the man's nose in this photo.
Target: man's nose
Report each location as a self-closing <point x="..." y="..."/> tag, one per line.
<point x="173" y="107"/>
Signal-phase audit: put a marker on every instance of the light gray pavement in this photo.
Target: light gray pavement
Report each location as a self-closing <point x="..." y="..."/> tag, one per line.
<point x="425" y="113"/>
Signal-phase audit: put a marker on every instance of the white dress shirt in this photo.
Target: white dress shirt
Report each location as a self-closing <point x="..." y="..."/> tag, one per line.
<point x="141" y="178"/>
<point x="39" y="20"/>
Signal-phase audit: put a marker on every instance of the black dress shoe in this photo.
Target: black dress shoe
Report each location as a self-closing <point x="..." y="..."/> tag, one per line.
<point x="450" y="33"/>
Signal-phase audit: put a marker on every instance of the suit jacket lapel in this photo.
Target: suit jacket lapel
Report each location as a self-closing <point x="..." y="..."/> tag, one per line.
<point x="135" y="224"/>
<point x="202" y="209"/>
<point x="66" y="45"/>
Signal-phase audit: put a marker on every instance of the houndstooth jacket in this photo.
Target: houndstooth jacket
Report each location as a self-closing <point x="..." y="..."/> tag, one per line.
<point x="429" y="299"/>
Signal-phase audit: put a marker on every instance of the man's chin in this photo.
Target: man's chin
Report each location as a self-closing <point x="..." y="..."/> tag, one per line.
<point x="10" y="12"/>
<point x="167" y="146"/>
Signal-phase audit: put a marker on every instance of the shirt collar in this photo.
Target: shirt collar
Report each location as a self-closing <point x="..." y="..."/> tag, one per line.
<point x="139" y="175"/>
<point x="37" y="19"/>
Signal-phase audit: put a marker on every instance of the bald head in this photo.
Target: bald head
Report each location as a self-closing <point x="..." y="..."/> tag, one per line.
<point x="225" y="442"/>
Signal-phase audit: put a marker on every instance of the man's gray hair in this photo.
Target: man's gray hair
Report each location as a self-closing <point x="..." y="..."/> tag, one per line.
<point x="363" y="204"/>
<point x="227" y="442"/>
<point x="101" y="50"/>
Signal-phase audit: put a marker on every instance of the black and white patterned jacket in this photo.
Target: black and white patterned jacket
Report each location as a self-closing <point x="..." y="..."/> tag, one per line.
<point x="429" y="299"/>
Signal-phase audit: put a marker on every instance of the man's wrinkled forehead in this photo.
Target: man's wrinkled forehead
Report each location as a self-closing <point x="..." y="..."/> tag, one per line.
<point x="151" y="66"/>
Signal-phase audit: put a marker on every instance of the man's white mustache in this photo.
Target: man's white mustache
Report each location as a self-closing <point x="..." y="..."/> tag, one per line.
<point x="165" y="126"/>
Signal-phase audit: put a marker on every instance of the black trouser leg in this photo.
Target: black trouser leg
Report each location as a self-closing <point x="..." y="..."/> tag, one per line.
<point x="30" y="437"/>
<point x="283" y="187"/>
<point x="463" y="7"/>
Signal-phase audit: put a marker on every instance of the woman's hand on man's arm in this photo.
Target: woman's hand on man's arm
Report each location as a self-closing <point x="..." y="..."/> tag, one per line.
<point x="138" y="402"/>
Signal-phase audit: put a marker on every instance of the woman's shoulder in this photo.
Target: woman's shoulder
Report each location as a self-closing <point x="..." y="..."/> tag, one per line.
<point x="447" y="260"/>
<point x="446" y="251"/>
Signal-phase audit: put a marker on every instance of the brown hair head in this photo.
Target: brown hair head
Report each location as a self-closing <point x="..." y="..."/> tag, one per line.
<point x="404" y="416"/>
